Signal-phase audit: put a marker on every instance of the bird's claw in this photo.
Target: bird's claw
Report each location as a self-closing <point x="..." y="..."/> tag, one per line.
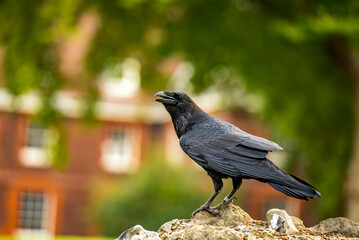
<point x="207" y="209"/>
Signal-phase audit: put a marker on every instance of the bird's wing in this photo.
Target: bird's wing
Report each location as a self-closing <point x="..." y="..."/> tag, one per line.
<point x="221" y="131"/>
<point x="230" y="153"/>
<point x="254" y="142"/>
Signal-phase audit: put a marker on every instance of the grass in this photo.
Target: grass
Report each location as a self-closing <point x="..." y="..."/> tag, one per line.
<point x="81" y="238"/>
<point x="60" y="238"/>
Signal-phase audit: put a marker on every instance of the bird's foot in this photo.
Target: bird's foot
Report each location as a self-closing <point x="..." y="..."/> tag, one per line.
<point x="207" y="209"/>
<point x="226" y="201"/>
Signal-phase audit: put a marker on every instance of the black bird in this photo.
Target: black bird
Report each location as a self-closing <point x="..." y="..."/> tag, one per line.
<point x="225" y="151"/>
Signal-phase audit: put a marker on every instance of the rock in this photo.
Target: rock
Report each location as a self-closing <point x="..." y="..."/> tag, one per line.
<point x="206" y="226"/>
<point x="235" y="224"/>
<point x="230" y="215"/>
<point x="276" y="223"/>
<point x="168" y="226"/>
<point x="212" y="232"/>
<point x="297" y="222"/>
<point x="280" y="221"/>
<point x="339" y="225"/>
<point x="138" y="233"/>
<point x="233" y="215"/>
<point x="168" y="229"/>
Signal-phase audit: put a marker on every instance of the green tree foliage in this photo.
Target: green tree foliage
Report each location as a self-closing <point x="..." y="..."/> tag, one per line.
<point x="156" y="194"/>
<point x="30" y="34"/>
<point x="278" y="49"/>
<point x="285" y="51"/>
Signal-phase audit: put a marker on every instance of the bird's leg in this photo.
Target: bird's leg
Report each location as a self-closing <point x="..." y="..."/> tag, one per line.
<point x="218" y="185"/>
<point x="229" y="199"/>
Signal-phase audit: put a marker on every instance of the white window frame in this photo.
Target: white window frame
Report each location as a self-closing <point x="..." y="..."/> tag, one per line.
<point x="34" y="233"/>
<point x="118" y="155"/>
<point x="119" y="159"/>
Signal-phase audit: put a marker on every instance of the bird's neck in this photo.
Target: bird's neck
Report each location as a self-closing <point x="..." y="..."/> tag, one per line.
<point x="183" y="122"/>
<point x="180" y="124"/>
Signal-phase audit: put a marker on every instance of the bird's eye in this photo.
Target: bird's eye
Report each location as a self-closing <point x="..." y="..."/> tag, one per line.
<point x="180" y="97"/>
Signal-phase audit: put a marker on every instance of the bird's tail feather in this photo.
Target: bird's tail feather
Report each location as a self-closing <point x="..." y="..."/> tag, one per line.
<point x="300" y="193"/>
<point x="288" y="183"/>
<point x="302" y="181"/>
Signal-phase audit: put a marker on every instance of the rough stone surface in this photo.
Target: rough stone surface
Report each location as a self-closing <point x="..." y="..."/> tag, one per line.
<point x="230" y="215"/>
<point x="138" y="233"/>
<point x="235" y="224"/>
<point x="339" y="225"/>
<point x="298" y="223"/>
<point x="280" y="221"/>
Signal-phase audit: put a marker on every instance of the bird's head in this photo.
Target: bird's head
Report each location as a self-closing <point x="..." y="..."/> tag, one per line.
<point x="181" y="107"/>
<point x="175" y="101"/>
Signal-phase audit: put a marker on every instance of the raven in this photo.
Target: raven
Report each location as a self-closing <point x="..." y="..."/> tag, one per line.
<point x="225" y="151"/>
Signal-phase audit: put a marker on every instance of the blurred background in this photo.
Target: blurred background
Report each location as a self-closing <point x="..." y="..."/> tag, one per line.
<point x="84" y="149"/>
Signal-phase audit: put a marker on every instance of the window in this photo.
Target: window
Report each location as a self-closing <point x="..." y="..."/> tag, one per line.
<point x="33" y="211"/>
<point x="118" y="150"/>
<point x="35" y="135"/>
<point x="34" y="150"/>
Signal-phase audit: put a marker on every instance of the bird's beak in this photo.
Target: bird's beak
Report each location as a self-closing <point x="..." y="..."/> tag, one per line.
<point x="165" y="98"/>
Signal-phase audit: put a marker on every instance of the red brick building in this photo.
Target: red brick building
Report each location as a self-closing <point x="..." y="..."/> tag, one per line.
<point x="35" y="198"/>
